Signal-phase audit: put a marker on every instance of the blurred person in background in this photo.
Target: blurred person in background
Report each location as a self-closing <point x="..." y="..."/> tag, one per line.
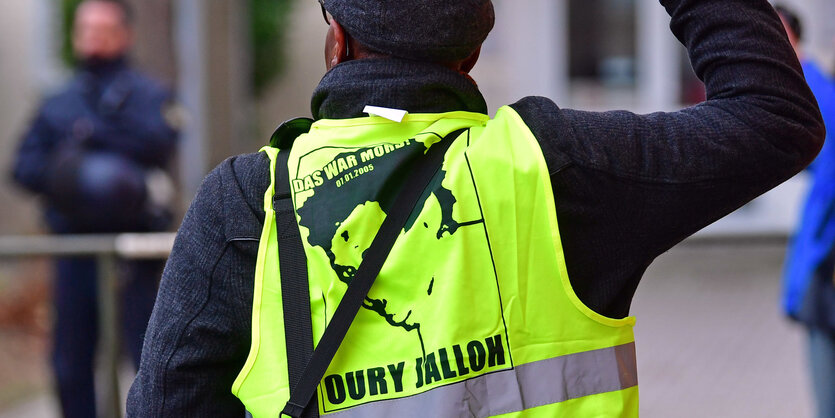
<point x="809" y="286"/>
<point x="94" y="153"/>
<point x="576" y="204"/>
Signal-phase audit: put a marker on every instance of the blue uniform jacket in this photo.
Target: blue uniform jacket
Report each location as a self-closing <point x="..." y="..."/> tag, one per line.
<point x="809" y="294"/>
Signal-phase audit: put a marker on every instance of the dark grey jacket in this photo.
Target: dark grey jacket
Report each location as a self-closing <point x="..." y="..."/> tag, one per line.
<point x="628" y="187"/>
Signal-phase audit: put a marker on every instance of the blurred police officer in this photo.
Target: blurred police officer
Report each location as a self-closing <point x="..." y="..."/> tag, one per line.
<point x="89" y="153"/>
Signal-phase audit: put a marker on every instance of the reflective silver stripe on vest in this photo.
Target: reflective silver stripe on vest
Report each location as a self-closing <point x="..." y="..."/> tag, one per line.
<point x="527" y="386"/>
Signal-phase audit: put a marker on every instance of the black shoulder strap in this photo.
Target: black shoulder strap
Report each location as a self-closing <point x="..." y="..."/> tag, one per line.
<point x="292" y="261"/>
<point x="302" y="402"/>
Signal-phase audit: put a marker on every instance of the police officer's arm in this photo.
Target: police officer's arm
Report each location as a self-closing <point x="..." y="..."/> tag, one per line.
<point x="139" y="128"/>
<point x="33" y="155"/>
<point x="198" y="336"/>
<point x="628" y="187"/>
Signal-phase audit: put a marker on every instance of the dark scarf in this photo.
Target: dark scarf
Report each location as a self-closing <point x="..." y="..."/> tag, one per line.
<point x="96" y="76"/>
<point x="101" y="67"/>
<point x="417" y="87"/>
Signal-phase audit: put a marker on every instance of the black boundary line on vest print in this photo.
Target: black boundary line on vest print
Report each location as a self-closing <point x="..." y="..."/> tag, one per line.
<point x="490" y="248"/>
<point x="471" y="223"/>
<point x="320" y="387"/>
<point x="325" y="316"/>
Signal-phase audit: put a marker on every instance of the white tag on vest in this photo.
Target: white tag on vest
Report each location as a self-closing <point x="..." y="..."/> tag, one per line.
<point x="395" y="115"/>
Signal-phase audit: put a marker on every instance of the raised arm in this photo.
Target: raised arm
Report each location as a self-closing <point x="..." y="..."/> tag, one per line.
<point x="628" y="187"/>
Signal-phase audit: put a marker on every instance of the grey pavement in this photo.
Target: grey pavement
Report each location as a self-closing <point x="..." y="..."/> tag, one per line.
<point x="711" y="340"/>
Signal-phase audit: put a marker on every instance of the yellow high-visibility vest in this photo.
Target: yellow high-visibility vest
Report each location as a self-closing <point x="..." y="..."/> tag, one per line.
<point x="472" y="315"/>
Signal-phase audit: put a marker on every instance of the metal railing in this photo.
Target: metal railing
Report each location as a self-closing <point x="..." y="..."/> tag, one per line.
<point x="107" y="249"/>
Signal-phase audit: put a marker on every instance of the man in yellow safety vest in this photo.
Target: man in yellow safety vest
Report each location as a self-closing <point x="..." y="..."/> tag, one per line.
<point x="506" y="285"/>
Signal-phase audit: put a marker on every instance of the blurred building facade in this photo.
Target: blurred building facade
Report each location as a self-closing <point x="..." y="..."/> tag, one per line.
<point x="588" y="54"/>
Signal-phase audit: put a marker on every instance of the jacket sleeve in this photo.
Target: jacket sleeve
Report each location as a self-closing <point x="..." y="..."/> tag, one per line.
<point x="199" y="334"/>
<point x="34" y="153"/>
<point x="628" y="187"/>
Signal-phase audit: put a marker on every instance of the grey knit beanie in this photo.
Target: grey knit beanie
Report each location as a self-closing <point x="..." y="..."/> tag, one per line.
<point x="426" y="30"/>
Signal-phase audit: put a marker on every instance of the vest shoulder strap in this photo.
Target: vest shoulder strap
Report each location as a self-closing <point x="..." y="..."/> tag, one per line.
<point x="292" y="261"/>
